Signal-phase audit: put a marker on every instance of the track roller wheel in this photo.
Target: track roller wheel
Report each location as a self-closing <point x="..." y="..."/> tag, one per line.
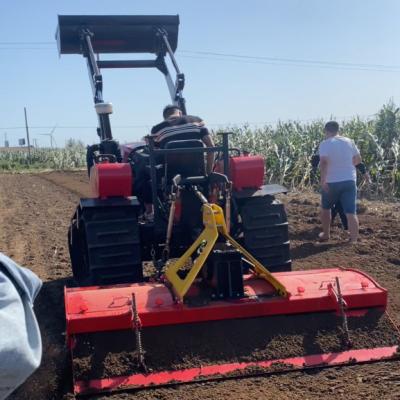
<point x="266" y="232"/>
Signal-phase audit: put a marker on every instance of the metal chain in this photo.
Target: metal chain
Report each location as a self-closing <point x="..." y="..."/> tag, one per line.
<point x="138" y="334"/>
<point x="342" y="305"/>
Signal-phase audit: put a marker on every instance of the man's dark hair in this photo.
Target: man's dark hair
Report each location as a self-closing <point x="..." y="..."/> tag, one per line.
<point x="169" y="110"/>
<point x="332" y="127"/>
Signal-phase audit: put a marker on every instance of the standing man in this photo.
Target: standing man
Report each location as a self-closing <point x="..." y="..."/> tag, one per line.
<point x="338" y="158"/>
<point x="337" y="207"/>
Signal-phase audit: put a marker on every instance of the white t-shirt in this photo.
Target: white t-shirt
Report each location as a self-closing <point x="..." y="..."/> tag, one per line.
<point x="339" y="151"/>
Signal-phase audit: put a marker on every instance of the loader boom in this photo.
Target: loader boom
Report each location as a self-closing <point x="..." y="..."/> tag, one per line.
<point x="91" y="35"/>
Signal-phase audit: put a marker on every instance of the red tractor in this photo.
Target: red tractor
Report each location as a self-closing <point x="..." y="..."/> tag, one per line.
<point x="218" y="248"/>
<point x="108" y="241"/>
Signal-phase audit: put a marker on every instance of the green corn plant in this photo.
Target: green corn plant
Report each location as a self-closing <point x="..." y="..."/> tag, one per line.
<point x="288" y="147"/>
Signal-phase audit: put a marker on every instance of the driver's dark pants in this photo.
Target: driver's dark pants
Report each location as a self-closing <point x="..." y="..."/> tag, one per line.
<point x="142" y="182"/>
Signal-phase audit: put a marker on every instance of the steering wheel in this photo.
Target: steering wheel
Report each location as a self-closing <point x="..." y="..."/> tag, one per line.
<point x="136" y="150"/>
<point x="111" y="158"/>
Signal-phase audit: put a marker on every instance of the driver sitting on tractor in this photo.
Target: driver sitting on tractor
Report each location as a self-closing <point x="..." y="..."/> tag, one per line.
<point x="175" y="126"/>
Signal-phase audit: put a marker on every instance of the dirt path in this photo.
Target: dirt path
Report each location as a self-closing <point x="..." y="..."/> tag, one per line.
<point x="377" y="253"/>
<point x="34" y="216"/>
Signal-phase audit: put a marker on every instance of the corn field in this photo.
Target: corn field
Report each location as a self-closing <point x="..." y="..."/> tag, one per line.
<point x="71" y="157"/>
<point x="287" y="149"/>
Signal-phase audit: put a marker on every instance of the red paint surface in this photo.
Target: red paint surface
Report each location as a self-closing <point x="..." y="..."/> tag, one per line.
<point x="111" y="179"/>
<point x="93" y="309"/>
<point x="210" y="371"/>
<point x="246" y="172"/>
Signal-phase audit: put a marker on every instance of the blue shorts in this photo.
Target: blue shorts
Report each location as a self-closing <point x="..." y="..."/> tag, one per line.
<point x="345" y="192"/>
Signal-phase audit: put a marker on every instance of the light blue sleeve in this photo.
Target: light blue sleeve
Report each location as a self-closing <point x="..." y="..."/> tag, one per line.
<point x="20" y="341"/>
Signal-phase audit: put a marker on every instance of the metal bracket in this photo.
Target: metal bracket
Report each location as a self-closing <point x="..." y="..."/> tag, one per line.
<point x="214" y="225"/>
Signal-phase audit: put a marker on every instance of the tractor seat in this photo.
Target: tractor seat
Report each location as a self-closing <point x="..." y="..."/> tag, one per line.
<point x="185" y="164"/>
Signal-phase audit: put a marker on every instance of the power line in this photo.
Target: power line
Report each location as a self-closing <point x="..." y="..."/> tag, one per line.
<point x="32" y="45"/>
<point x="208" y="124"/>
<point x="394" y="69"/>
<point x="289" y="60"/>
<point x="26" y="48"/>
<point x="273" y="62"/>
<point x="74" y="127"/>
<point x="211" y="55"/>
<point x="19" y="43"/>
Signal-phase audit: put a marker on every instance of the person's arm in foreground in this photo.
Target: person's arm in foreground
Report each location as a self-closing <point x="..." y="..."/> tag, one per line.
<point x="20" y="342"/>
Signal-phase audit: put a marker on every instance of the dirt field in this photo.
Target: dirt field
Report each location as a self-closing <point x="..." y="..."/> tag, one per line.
<point x="34" y="216"/>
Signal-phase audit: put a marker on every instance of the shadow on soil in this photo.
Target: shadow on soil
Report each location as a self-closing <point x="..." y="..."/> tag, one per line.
<point x="309" y="249"/>
<point x="306" y="234"/>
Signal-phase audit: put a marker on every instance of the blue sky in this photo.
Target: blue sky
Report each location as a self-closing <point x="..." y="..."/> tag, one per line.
<point x="222" y="90"/>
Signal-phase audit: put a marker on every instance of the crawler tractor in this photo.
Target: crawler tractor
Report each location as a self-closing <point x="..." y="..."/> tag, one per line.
<point x="218" y="248"/>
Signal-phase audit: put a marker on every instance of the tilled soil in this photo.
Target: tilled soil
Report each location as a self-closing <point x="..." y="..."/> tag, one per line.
<point x="34" y="216"/>
<point x="110" y="354"/>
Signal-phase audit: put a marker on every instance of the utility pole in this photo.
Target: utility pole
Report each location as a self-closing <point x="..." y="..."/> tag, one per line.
<point x="6" y="144"/>
<point x="27" y="135"/>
